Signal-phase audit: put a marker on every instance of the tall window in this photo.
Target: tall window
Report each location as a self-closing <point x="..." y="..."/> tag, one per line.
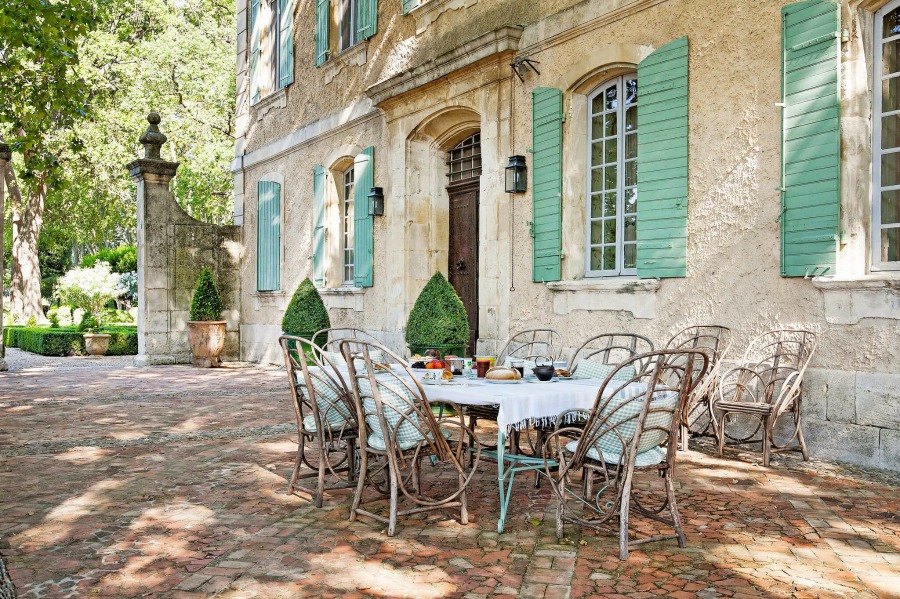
<point x="347" y="227"/>
<point x="271" y="46"/>
<point x="612" y="181"/>
<point x="347" y="13"/>
<point x="886" y="154"/>
<point x="465" y="159"/>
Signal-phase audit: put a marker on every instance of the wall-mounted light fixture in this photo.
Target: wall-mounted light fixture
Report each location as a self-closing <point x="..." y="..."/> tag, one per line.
<point x="516" y="175"/>
<point x="376" y="201"/>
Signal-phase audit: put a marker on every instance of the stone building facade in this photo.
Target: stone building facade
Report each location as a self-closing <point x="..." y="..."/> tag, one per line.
<point x="766" y="203"/>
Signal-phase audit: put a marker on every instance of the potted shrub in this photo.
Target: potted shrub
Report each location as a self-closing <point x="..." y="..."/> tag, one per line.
<point x="206" y="330"/>
<point x="90" y="289"/>
<point x="438" y="320"/>
<point x="306" y="314"/>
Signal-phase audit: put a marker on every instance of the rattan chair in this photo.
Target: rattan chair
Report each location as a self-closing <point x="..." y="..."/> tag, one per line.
<point x="398" y="429"/>
<point x="716" y="341"/>
<point x="326" y="419"/>
<point x="618" y="459"/>
<point x="768" y="384"/>
<point x="330" y="339"/>
<point x="610" y="349"/>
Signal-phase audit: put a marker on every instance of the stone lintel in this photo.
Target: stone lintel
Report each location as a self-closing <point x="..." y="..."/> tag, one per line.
<point x="151" y="169"/>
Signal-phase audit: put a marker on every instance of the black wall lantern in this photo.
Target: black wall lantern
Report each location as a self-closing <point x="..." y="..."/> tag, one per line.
<point x="516" y="175"/>
<point x="376" y="201"/>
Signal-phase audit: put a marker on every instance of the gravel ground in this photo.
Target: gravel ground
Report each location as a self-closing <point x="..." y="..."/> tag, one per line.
<point x="18" y="360"/>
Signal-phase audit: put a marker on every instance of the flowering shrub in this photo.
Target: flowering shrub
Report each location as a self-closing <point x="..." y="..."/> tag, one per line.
<point x="128" y="283"/>
<point x="89" y="288"/>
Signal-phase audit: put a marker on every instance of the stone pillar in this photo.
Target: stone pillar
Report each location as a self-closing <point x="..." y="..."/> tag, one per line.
<point x="5" y="157"/>
<point x="172" y="248"/>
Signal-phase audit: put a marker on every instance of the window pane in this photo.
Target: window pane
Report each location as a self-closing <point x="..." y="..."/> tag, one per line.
<point x="609" y="230"/>
<point x="631" y="173"/>
<point x="630" y="251"/>
<point x="597" y="179"/>
<point x="890" y="207"/>
<point x="631" y="146"/>
<point x="630" y="91"/>
<point x="597" y="153"/>
<point x="890" y="94"/>
<point x="611" y="99"/>
<point x="596" y="206"/>
<point x="611" y="119"/>
<point x="612" y="154"/>
<point x="890" y="245"/>
<point x="597" y="104"/>
<point x="890" y="57"/>
<point x="631" y="119"/>
<point x="631" y="200"/>
<point x="890" y="132"/>
<point x="609" y="258"/>
<point x="597" y="232"/>
<point x="596" y="258"/>
<point x="610" y="177"/>
<point x="610" y="201"/>
<point x="890" y="169"/>
<point x="630" y="228"/>
<point x="891" y="23"/>
<point x="596" y="127"/>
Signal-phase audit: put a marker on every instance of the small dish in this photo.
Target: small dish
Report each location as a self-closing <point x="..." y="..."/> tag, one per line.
<point x="502" y="382"/>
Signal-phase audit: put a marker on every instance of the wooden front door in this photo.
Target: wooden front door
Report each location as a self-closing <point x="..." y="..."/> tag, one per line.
<point x="463" y="255"/>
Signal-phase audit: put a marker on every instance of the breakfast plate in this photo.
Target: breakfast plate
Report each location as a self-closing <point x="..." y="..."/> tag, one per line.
<point x="502" y="381"/>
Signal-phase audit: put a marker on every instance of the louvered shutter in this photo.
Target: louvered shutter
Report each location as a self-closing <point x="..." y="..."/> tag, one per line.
<point x="322" y="23"/>
<point x="663" y="162"/>
<point x="254" y="51"/>
<point x="286" y="43"/>
<point x="546" y="191"/>
<point x="268" y="236"/>
<point x="363" y="234"/>
<point x="366" y="19"/>
<point x="811" y="141"/>
<point x="408" y="5"/>
<point x="318" y="238"/>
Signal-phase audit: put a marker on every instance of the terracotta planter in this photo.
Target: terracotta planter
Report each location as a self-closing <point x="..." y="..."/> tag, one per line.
<point x="207" y="338"/>
<point x="96" y="344"/>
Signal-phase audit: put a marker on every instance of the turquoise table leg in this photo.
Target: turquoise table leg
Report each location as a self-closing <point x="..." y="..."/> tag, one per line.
<point x="501" y="475"/>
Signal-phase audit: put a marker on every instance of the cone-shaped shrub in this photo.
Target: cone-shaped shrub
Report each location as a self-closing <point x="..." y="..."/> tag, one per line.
<point x="306" y="313"/>
<point x="206" y="303"/>
<point x="438" y="317"/>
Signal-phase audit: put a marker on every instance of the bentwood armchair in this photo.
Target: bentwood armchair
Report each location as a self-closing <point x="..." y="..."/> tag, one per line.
<point x="397" y="431"/>
<point x="326" y="420"/>
<point x="760" y="400"/>
<point x="715" y="340"/>
<point x="631" y="433"/>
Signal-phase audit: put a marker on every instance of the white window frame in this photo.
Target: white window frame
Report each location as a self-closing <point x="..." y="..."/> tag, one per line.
<point x="347" y="222"/>
<point x="620" y="242"/>
<point x="353" y="14"/>
<point x="877" y="152"/>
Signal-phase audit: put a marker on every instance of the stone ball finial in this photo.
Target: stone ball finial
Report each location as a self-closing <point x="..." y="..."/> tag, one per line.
<point x="153" y="139"/>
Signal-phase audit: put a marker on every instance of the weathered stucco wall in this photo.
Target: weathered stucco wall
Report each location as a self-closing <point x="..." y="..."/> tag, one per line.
<point x="734" y="167"/>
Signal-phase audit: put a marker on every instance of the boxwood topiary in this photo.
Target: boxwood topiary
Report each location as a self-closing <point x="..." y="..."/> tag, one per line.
<point x="306" y="314"/>
<point x="206" y="303"/>
<point x="438" y="317"/>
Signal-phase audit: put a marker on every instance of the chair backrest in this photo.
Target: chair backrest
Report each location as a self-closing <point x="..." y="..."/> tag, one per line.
<point x="637" y="421"/>
<point x="393" y="410"/>
<point x="318" y="389"/>
<point x="333" y="338"/>
<point x="531" y="344"/>
<point x="781" y="357"/>
<point x="715" y="339"/>
<point x="611" y="349"/>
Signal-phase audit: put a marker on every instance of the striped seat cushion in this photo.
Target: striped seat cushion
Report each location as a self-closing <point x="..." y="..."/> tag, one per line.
<point x="594" y="370"/>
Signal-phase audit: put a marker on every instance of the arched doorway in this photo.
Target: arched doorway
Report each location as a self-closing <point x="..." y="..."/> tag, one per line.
<point x="464" y="175"/>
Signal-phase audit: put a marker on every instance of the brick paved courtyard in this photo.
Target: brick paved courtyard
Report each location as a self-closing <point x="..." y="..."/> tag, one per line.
<point x="170" y="482"/>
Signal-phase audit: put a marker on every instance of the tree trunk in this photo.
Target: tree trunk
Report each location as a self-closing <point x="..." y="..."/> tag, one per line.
<point x="27" y="219"/>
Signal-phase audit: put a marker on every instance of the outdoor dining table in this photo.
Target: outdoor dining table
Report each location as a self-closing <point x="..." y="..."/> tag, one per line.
<point x="521" y="403"/>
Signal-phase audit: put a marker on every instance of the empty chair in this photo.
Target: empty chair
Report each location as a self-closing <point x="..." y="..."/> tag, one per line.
<point x="397" y="430"/>
<point x="618" y="459"/>
<point x="759" y="401"/>
<point x="599" y="355"/>
<point x="330" y="341"/>
<point x="716" y="341"/>
<point x="531" y="344"/>
<point x="326" y="419"/>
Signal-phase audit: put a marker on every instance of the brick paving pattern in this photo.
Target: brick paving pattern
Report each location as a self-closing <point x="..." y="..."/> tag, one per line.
<point x="170" y="482"/>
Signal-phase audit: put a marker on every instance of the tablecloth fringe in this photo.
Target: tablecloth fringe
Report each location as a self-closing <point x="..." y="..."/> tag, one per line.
<point x="543" y="421"/>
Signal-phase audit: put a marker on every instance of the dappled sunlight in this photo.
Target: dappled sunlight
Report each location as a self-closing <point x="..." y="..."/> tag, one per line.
<point x="192" y="424"/>
<point x="175" y="516"/>
<point x="356" y="574"/>
<point x="83" y="455"/>
<point x="58" y="522"/>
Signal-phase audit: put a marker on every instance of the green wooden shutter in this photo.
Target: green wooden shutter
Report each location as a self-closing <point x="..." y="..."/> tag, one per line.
<point x="811" y="138"/>
<point x="254" y="51"/>
<point x="366" y="19"/>
<point x="662" y="162"/>
<point x="322" y="23"/>
<point x="286" y="43"/>
<point x="318" y="239"/>
<point x="268" y="236"/>
<point x="363" y="234"/>
<point x="408" y="5"/>
<point x="546" y="192"/>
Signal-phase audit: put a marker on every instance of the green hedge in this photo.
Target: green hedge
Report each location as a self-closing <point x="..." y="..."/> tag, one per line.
<point x="59" y="342"/>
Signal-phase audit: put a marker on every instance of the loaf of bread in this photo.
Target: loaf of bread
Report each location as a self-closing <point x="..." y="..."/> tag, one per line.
<point x="501" y="373"/>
